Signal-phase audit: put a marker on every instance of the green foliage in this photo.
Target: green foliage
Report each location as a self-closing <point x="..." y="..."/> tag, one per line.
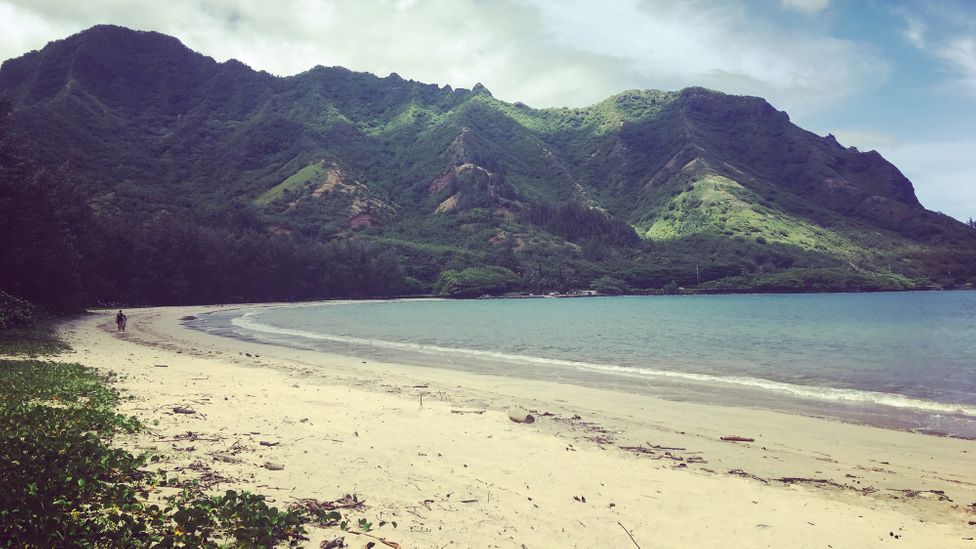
<point x="610" y="285"/>
<point x="25" y="331"/>
<point x="64" y="484"/>
<point x="813" y="280"/>
<point x="16" y="312"/>
<point x="177" y="261"/>
<point x="302" y="176"/>
<point x="60" y="480"/>
<point x="574" y="221"/>
<point x="40" y="215"/>
<point x="719" y="205"/>
<point x="476" y="281"/>
<point x="243" y="517"/>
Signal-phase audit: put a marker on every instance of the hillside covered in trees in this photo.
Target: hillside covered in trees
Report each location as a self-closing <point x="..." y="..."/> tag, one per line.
<point x="137" y="171"/>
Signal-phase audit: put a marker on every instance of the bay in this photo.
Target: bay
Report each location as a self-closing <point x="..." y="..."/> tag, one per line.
<point x="902" y="360"/>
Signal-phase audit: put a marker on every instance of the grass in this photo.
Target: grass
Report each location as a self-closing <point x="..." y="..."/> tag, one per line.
<point x="413" y="114"/>
<point x="719" y="205"/>
<point x="601" y="118"/>
<point x="302" y="176"/>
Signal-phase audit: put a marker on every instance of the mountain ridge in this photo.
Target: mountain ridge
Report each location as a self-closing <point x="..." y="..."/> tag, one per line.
<point x="330" y="154"/>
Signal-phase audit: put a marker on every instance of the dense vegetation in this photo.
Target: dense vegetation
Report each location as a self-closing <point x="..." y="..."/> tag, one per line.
<point x="137" y="171"/>
<point x="58" y="252"/>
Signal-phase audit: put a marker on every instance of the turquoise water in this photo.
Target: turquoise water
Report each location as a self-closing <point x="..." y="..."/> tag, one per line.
<point x="905" y="360"/>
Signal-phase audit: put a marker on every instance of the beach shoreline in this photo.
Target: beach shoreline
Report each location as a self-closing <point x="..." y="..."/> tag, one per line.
<point x="814" y="378"/>
<point x="435" y="450"/>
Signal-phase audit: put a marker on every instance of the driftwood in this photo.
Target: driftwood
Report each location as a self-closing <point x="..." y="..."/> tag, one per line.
<point x="385" y="542"/>
<point x="629" y="535"/>
<point x="316" y="506"/>
<point x="479" y="412"/>
<point x="235" y="448"/>
<point x="834" y="484"/>
<point x="804" y="480"/>
<point x="600" y="439"/>
<point x="666" y="455"/>
<point x="183" y="410"/>
<point x="208" y="478"/>
<point x="915" y="493"/>
<point x="746" y="474"/>
<point x="656" y="447"/>
<point x="733" y="438"/>
<point x="638" y="450"/>
<point x="188" y="436"/>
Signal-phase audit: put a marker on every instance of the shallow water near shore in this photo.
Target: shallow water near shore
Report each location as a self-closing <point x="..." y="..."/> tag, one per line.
<point x="900" y="360"/>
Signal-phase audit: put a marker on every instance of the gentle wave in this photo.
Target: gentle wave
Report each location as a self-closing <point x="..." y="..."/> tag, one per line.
<point x="802" y="391"/>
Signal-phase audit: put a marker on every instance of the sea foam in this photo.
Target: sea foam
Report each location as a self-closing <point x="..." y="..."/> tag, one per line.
<point x="834" y="394"/>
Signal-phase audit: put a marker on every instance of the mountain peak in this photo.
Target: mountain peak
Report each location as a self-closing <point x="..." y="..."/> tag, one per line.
<point x="118" y="32"/>
<point x="124" y="67"/>
<point x="480" y="89"/>
<point x="150" y="124"/>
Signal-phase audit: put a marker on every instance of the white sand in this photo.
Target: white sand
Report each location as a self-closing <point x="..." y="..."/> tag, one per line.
<point x="480" y="480"/>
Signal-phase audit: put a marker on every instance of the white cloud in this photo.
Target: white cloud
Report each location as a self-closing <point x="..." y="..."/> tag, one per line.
<point x="914" y="31"/>
<point x="809" y="6"/>
<point x="959" y="56"/>
<point x="953" y="47"/>
<point x="23" y="30"/>
<point x="544" y="53"/>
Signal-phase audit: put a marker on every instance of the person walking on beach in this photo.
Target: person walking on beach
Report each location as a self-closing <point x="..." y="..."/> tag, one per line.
<point x="120" y="321"/>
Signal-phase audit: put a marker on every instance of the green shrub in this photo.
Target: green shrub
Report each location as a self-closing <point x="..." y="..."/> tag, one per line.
<point x="63" y="484"/>
<point x="610" y="285"/>
<point x="16" y="312"/>
<point x="476" y="281"/>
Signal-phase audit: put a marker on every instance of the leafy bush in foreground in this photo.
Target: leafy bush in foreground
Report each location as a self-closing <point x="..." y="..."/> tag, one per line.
<point x="64" y="485"/>
<point x="61" y="480"/>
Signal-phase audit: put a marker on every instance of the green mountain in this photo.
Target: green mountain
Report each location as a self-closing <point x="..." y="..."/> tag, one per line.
<point x="646" y="190"/>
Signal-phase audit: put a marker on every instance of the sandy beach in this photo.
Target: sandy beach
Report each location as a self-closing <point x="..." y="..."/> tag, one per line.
<point x="436" y="451"/>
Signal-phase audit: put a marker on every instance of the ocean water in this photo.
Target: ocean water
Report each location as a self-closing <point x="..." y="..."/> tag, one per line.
<point x="900" y="360"/>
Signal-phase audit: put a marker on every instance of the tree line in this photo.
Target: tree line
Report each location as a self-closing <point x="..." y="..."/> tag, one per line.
<point x="60" y="254"/>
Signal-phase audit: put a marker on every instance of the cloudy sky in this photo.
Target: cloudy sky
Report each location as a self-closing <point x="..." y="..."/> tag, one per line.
<point x="892" y="75"/>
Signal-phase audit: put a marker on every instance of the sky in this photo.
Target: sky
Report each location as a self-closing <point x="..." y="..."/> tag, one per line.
<point x="898" y="76"/>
